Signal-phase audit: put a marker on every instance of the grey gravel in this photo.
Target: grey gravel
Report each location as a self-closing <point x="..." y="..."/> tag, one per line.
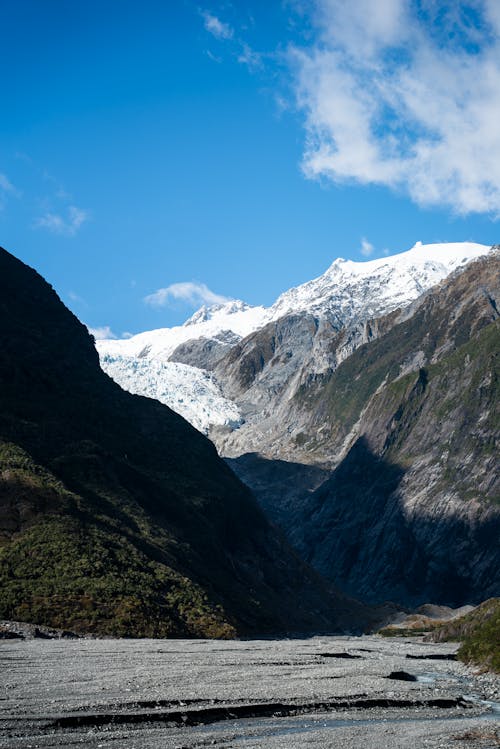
<point x="136" y="694"/>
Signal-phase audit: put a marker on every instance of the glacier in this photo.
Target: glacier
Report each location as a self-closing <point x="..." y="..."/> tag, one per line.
<point x="189" y="391"/>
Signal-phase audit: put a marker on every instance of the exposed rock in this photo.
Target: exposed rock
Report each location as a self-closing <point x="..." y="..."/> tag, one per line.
<point x="205" y="353"/>
<point x="278" y="485"/>
<point x="402" y="676"/>
<point x="368" y="421"/>
<point x="408" y="424"/>
<point x="27" y="631"/>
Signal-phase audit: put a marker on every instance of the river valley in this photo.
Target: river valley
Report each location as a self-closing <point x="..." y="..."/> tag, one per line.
<point x="183" y="694"/>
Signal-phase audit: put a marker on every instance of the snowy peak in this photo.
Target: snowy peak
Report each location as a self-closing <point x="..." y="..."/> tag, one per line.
<point x="449" y="254"/>
<point x="349" y="291"/>
<point x="208" y="322"/>
<point x="217" y="311"/>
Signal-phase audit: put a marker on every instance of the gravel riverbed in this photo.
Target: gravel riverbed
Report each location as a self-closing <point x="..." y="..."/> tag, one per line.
<point x="282" y="694"/>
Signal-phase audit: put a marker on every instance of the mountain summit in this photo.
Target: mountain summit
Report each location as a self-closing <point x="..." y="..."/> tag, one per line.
<point x="350" y="291"/>
<point x="217" y="312"/>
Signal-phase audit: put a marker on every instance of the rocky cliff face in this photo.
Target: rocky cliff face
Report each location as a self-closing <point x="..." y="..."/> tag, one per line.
<point x="267" y="373"/>
<point x="274" y="373"/>
<point x="409" y="424"/>
<point x="117" y="516"/>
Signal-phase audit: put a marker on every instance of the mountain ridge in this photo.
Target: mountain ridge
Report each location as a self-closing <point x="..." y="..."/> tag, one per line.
<point x="348" y="292"/>
<point x="117" y="517"/>
<point x="407" y="425"/>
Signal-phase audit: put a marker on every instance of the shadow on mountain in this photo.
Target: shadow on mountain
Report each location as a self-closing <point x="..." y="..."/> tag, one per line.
<point x="280" y="486"/>
<point x="356" y="531"/>
<point x="352" y="526"/>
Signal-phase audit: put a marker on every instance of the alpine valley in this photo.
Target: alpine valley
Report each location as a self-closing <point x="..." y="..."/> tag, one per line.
<point x="362" y="410"/>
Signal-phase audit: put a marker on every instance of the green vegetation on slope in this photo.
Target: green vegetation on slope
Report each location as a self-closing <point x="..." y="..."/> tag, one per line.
<point x="69" y="569"/>
<point x="458" y="382"/>
<point x="479" y="633"/>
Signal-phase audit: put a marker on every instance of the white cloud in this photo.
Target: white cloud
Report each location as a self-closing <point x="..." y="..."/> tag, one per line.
<point x="216" y="27"/>
<point x="379" y="24"/>
<point x="67" y="224"/>
<point x="366" y="247"/>
<point x="190" y="292"/>
<point x="392" y="97"/>
<point x="102" y="333"/>
<point x="240" y="49"/>
<point x="493" y="13"/>
<point x="77" y="217"/>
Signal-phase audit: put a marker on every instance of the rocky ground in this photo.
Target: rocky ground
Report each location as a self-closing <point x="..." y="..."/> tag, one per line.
<point x="320" y="692"/>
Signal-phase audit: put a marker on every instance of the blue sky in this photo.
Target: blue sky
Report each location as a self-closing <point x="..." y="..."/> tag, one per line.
<point x="234" y="149"/>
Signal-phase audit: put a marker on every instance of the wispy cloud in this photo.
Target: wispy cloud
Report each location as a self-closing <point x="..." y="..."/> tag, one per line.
<point x="405" y="95"/>
<point x="7" y="189"/>
<point x="21" y="156"/>
<point x="239" y="48"/>
<point x="7" y="186"/>
<point x="52" y="207"/>
<point x="67" y="223"/>
<point x="249" y="57"/>
<point x="74" y="297"/>
<point x="213" y="57"/>
<point x="102" y="333"/>
<point x="216" y="27"/>
<point x="190" y="292"/>
<point x="366" y="247"/>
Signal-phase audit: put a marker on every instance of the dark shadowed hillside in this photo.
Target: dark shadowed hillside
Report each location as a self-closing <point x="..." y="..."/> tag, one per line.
<point x="118" y="517"/>
<point x="408" y="426"/>
<point x="412" y="512"/>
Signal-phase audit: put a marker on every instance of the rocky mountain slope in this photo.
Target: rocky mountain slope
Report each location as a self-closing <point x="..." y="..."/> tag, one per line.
<point x="117" y="516"/>
<point x="368" y="405"/>
<point x="348" y="293"/>
<point x="408" y="426"/>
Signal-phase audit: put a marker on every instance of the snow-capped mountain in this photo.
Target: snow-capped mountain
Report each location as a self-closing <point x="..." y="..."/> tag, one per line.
<point x="208" y="322"/>
<point x="348" y="292"/>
